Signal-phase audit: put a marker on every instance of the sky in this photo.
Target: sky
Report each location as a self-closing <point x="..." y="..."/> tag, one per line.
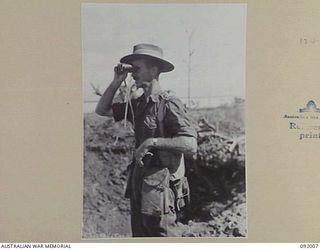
<point x="109" y="32"/>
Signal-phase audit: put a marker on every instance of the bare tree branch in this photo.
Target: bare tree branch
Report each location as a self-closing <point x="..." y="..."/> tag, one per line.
<point x="191" y="51"/>
<point x="96" y="90"/>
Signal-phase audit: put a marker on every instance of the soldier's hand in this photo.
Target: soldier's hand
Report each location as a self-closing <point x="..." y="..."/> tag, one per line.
<point x="142" y="151"/>
<point x="119" y="73"/>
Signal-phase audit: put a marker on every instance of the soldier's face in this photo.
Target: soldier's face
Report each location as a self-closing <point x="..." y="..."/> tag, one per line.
<point x="143" y="75"/>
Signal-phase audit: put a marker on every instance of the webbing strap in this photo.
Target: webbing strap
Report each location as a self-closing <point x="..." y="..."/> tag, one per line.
<point x="160" y="116"/>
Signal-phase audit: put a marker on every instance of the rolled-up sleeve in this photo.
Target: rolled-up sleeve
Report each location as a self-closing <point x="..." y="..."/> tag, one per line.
<point x="177" y="119"/>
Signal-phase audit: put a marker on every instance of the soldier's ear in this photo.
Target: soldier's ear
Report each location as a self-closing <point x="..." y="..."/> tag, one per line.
<point x="154" y="71"/>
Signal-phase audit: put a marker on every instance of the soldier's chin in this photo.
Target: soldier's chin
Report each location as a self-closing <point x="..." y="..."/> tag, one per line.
<point x="137" y="93"/>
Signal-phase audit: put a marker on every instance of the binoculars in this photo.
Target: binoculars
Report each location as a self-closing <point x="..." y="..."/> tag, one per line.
<point x="124" y="68"/>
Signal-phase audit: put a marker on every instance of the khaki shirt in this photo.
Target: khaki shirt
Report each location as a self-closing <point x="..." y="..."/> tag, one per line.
<point x="146" y="125"/>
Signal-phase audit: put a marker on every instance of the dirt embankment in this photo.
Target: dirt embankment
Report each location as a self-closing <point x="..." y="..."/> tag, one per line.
<point x="218" y="202"/>
<point x="106" y="212"/>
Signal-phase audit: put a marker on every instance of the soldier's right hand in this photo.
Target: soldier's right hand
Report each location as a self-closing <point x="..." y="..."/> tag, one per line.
<point x="120" y="74"/>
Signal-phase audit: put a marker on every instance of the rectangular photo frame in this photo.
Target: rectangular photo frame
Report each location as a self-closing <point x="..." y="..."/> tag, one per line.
<point x="206" y="44"/>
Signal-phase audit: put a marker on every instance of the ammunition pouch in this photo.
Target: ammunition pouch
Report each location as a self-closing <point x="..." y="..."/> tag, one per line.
<point x="159" y="195"/>
<point x="181" y="192"/>
<point x="157" y="198"/>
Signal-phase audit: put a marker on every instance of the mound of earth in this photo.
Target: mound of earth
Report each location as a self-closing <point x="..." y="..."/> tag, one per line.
<point x="108" y="150"/>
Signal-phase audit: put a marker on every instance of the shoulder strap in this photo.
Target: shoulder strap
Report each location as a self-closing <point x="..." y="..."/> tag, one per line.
<point x="161" y="112"/>
<point x="160" y="116"/>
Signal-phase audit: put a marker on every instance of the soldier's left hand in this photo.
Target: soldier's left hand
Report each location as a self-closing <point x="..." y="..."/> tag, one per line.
<point x="142" y="151"/>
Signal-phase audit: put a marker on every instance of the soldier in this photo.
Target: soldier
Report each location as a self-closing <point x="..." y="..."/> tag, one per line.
<point x="156" y="187"/>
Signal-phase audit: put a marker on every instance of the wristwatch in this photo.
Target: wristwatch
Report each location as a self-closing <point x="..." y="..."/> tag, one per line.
<point x="154" y="142"/>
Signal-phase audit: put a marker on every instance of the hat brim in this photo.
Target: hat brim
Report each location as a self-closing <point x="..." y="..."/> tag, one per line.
<point x="164" y="66"/>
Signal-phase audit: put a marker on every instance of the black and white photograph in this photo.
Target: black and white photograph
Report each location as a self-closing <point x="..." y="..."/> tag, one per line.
<point x="164" y="120"/>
